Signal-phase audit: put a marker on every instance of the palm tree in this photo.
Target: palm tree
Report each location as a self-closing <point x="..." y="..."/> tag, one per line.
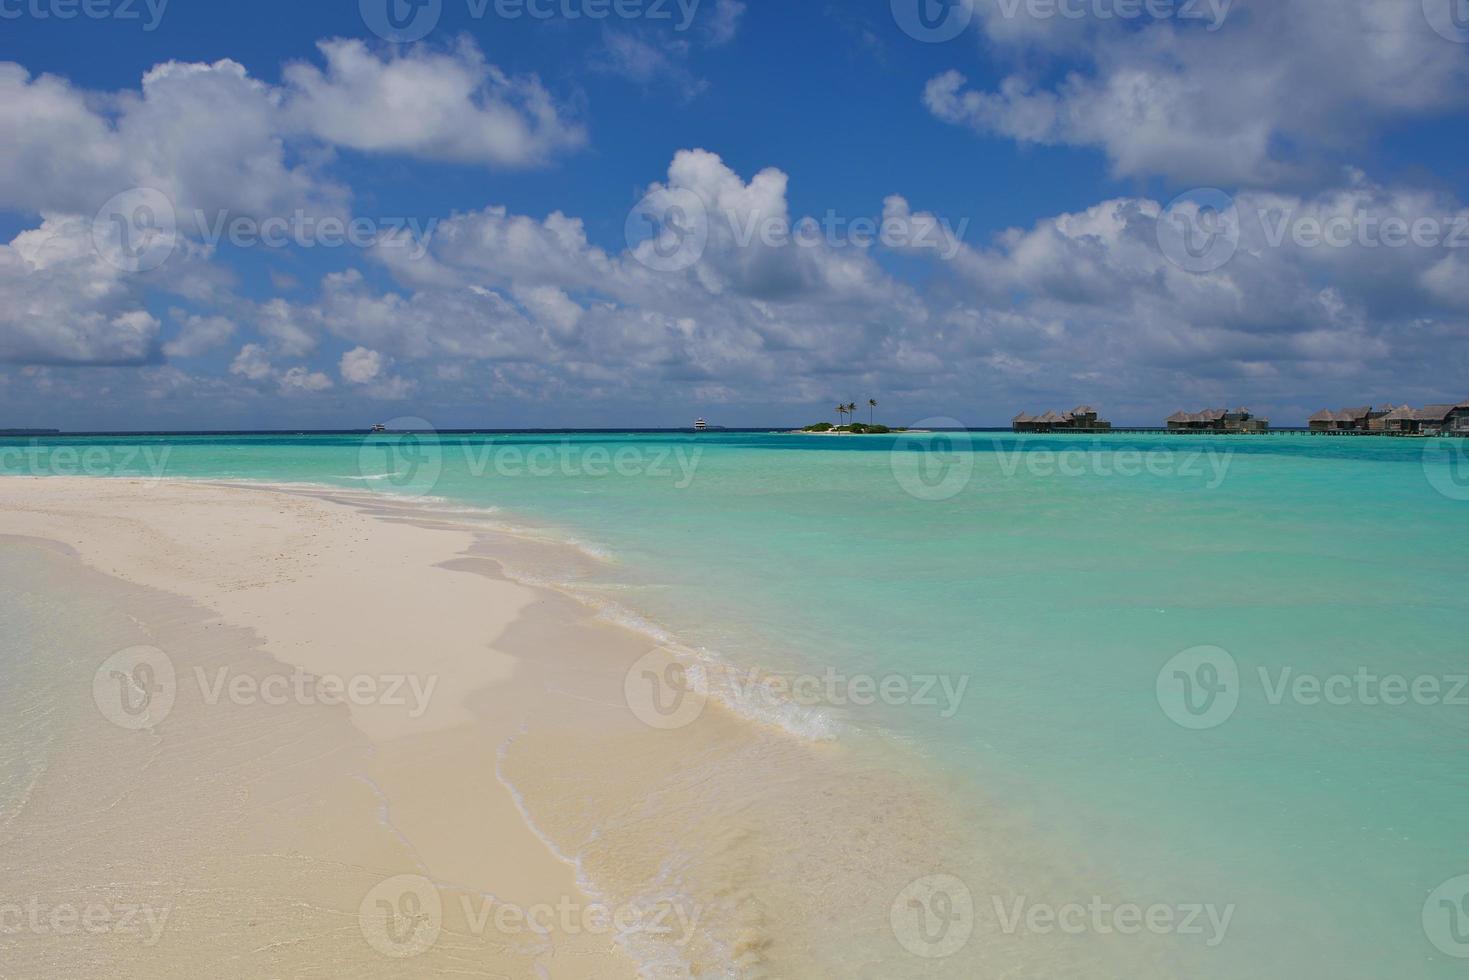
<point x="851" y="408"/>
<point x="841" y="410"/>
<point x="871" y="409"/>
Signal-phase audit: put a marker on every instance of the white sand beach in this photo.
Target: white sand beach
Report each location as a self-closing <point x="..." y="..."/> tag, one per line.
<point x="320" y="734"/>
<point x="272" y="832"/>
<point x="294" y="808"/>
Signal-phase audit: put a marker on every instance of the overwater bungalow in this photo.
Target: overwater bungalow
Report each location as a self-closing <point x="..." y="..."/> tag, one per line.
<point x="1346" y="420"/>
<point x="1458" y="420"/>
<point x="1217" y="420"/>
<point x="1403" y="420"/>
<point x="1435" y="420"/>
<point x="1083" y="418"/>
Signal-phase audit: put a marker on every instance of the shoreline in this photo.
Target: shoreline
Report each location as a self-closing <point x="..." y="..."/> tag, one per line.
<point x="522" y="783"/>
<point x="526" y="783"/>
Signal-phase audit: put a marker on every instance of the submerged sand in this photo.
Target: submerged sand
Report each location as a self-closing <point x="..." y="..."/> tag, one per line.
<point x="488" y="802"/>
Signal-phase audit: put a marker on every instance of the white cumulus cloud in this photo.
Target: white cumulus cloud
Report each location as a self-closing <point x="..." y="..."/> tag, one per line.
<point x="438" y="106"/>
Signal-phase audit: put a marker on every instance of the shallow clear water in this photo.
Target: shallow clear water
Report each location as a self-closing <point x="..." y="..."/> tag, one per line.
<point x="1056" y="579"/>
<point x="47" y="639"/>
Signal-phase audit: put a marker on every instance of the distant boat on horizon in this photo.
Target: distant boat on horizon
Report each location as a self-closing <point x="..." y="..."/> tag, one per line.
<point x="379" y="427"/>
<point x="700" y="425"/>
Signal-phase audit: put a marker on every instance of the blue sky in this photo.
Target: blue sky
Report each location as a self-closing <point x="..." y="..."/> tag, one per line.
<point x="1034" y="173"/>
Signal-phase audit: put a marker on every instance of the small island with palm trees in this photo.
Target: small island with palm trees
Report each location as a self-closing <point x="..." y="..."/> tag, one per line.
<point x="870" y="427"/>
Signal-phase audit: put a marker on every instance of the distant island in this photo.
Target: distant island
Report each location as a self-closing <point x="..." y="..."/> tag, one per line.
<point x="854" y="429"/>
<point x="868" y="428"/>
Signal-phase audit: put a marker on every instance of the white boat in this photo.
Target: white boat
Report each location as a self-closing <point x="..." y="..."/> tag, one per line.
<point x="700" y="425"/>
<point x="379" y="427"/>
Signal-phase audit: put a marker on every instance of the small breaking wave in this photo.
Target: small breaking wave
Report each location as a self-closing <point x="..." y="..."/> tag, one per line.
<point x="367" y="476"/>
<point x="748" y="692"/>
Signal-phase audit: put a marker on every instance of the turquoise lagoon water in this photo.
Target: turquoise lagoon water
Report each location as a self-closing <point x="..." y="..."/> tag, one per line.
<point x="1096" y="597"/>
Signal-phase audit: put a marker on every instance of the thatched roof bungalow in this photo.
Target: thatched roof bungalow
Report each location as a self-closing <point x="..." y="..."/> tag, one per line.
<point x="1217" y="420"/>
<point x="1433" y="419"/>
<point x="1429" y="420"/>
<point x="1346" y="420"/>
<point x="1209" y="418"/>
<point x="1083" y="418"/>
<point x="1398" y="419"/>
